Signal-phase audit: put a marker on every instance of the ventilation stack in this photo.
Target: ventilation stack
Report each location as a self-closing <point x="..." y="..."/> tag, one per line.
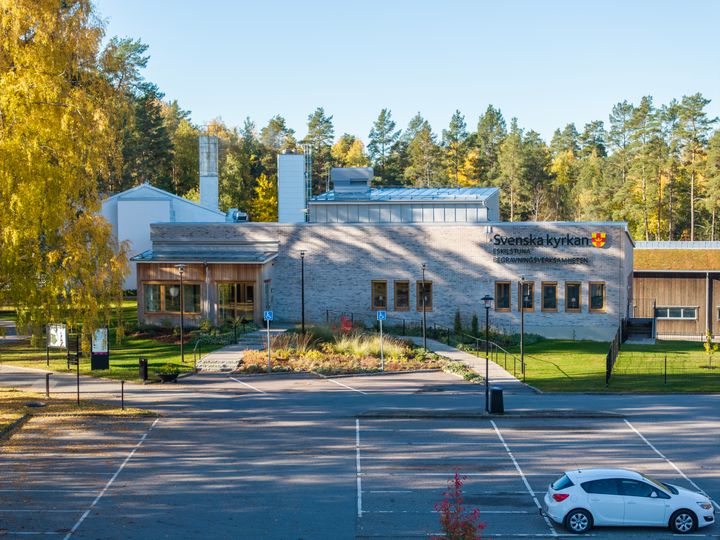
<point x="292" y="198"/>
<point x="209" y="171"/>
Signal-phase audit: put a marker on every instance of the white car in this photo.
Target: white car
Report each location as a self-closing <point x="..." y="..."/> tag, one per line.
<point x="618" y="497"/>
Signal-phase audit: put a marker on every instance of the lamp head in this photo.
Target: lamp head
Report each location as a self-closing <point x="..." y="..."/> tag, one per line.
<point x="487" y="300"/>
<point x="180" y="267"/>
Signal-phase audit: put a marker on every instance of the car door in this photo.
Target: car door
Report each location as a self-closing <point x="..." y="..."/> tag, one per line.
<point x="605" y="501"/>
<point x="644" y="504"/>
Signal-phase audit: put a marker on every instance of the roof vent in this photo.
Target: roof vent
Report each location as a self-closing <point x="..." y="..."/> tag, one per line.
<point x="351" y="179"/>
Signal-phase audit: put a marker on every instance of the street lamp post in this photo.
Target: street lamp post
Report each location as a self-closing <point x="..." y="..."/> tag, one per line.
<point x="302" y="290"/>
<point x="523" y="297"/>
<point x="487" y="300"/>
<point x="424" y="300"/>
<point x="181" y="270"/>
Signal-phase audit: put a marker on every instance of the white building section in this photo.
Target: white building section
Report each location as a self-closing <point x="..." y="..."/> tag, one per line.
<point x="131" y="212"/>
<point x="292" y="203"/>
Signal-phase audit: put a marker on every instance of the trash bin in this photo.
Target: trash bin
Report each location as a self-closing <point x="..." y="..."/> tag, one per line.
<point x="496" y="400"/>
<point x="143" y="367"/>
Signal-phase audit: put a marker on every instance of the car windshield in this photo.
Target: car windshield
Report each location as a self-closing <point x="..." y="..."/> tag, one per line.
<point x="671" y="489"/>
<point x="659" y="485"/>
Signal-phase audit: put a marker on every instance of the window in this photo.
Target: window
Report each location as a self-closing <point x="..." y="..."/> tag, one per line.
<point x="606" y="486"/>
<point x="572" y="296"/>
<point x="165" y="297"/>
<point x="597" y="296"/>
<point x="676" y="313"/>
<point x="379" y="295"/>
<point x="502" y="296"/>
<point x="634" y="488"/>
<point x="526" y="292"/>
<point x="402" y="295"/>
<point x="152" y="298"/>
<point x="427" y="295"/>
<point x="549" y="296"/>
<point x="562" y="483"/>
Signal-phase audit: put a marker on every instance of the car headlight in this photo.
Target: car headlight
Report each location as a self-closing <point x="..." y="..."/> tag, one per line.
<point x="705" y="505"/>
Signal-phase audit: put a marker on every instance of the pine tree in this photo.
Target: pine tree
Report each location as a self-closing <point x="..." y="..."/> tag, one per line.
<point x="712" y="173"/>
<point x="511" y="160"/>
<point x="454" y="144"/>
<point x="381" y="140"/>
<point x="320" y="137"/>
<point x="424" y="167"/>
<point x="491" y="132"/>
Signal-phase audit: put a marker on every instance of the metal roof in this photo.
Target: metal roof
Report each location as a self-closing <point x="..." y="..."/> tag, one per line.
<point x="410" y="194"/>
<point x="678" y="244"/>
<point x="238" y="257"/>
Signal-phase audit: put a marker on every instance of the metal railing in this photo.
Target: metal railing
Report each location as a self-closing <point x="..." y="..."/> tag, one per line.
<point x="612" y="354"/>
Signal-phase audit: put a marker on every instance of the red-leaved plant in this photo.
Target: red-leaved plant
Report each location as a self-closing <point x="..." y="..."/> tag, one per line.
<point x="457" y="522"/>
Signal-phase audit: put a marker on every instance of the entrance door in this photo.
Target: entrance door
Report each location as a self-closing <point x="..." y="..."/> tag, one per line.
<point x="236" y="301"/>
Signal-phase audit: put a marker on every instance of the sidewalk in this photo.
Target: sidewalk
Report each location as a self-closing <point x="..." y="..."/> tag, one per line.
<point x="229" y="357"/>
<point x="497" y="375"/>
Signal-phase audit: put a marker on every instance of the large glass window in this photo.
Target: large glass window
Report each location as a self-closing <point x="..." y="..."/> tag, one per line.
<point x="424" y="294"/>
<point x="402" y="295"/>
<point x="192" y="298"/>
<point x="572" y="296"/>
<point x="151" y="295"/>
<point x="597" y="296"/>
<point x="676" y="313"/>
<point x="379" y="295"/>
<point x="526" y="291"/>
<point x="549" y="296"/>
<point x="172" y="297"/>
<point x="502" y="296"/>
<point x="235" y="300"/>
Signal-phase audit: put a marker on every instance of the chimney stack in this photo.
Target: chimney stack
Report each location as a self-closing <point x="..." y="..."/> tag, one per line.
<point x="209" y="171"/>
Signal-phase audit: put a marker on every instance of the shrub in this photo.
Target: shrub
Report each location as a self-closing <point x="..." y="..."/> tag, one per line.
<point x="457" y="522"/>
<point x="457" y="324"/>
<point x="474" y="326"/>
<point x="168" y="369"/>
<point x="205" y="326"/>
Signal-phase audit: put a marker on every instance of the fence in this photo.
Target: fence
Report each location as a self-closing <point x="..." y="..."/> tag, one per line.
<point x="613" y="353"/>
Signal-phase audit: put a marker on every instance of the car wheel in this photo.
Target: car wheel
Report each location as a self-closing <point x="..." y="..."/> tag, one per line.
<point x="578" y="521"/>
<point x="683" y="522"/>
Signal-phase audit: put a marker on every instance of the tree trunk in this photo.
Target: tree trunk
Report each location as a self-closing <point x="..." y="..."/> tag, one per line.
<point x="670" y="210"/>
<point x="692" y="197"/>
<point x="659" y="206"/>
<point x="645" y="207"/>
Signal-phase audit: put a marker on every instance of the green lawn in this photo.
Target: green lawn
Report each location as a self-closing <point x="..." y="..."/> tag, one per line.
<point x="579" y="366"/>
<point x="123" y="357"/>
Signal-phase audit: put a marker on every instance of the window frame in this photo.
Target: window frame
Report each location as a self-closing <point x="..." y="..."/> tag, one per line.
<point x="532" y="296"/>
<point x="682" y="313"/>
<point x="509" y="295"/>
<point x="163" y="309"/>
<point x="542" y="296"/>
<point x="603" y="309"/>
<point x="418" y="302"/>
<point x="578" y="309"/>
<point x="373" y="306"/>
<point x="395" y="294"/>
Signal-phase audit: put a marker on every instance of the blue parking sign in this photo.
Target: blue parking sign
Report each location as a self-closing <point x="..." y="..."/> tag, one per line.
<point x="381" y="315"/>
<point x="267" y="315"/>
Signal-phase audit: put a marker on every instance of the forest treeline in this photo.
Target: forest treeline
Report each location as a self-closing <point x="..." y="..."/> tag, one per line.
<point x="656" y="166"/>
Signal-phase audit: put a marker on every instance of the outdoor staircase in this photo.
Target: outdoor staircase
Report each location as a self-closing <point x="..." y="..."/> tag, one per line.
<point x="228" y="358"/>
<point x="640" y="330"/>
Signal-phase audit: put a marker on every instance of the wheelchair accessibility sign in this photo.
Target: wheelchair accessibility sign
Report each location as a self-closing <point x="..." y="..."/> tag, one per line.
<point x="267" y="315"/>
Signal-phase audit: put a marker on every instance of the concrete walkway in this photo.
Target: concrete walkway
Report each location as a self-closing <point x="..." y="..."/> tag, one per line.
<point x="228" y="358"/>
<point x="497" y="375"/>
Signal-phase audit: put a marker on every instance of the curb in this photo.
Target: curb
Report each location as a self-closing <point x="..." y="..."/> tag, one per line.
<point x="14" y="426"/>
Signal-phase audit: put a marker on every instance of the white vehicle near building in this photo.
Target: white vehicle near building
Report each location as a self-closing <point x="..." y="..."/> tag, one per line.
<point x="585" y="498"/>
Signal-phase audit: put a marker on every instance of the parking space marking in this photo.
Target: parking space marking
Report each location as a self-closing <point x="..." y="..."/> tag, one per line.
<point x="110" y="482"/>
<point x="522" y="475"/>
<point x="248" y="385"/>
<point x="346" y="386"/>
<point x="357" y="467"/>
<point x="659" y="453"/>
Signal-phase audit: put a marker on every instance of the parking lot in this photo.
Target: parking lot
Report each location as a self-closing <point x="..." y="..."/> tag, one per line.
<point x="508" y="464"/>
<point x="300" y="457"/>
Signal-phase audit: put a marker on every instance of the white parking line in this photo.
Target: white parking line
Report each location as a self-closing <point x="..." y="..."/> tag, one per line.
<point x="248" y="385"/>
<point x="659" y="453"/>
<point x="107" y="486"/>
<point x="522" y="475"/>
<point x="346" y="386"/>
<point x="357" y="467"/>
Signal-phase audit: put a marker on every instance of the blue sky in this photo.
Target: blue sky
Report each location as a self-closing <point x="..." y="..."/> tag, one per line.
<point x="546" y="63"/>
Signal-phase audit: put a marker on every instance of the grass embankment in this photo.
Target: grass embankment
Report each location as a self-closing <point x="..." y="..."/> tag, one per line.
<point x="14" y="406"/>
<point x="160" y="348"/>
<point x="579" y="366"/>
